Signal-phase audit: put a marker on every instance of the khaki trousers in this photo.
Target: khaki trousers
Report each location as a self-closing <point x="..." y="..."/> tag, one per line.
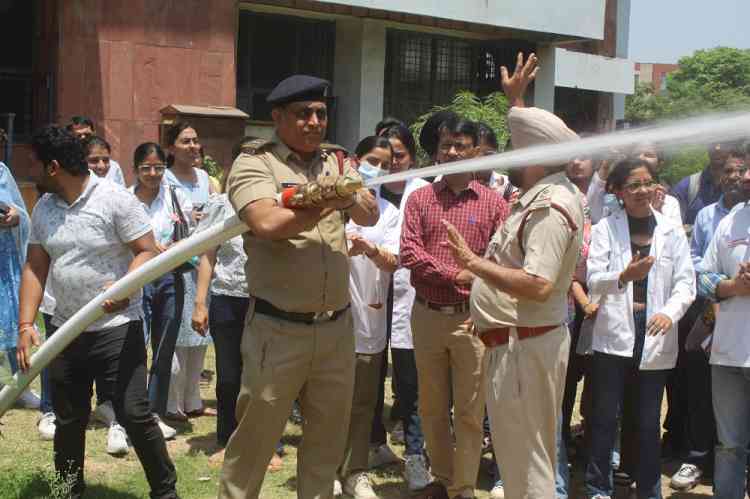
<point x="366" y="384"/>
<point x="282" y="361"/>
<point x="525" y="385"/>
<point x="450" y="362"/>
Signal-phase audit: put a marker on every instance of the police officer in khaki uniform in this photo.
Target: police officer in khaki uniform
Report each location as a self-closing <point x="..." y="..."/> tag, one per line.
<point x="519" y="309"/>
<point x="298" y="340"/>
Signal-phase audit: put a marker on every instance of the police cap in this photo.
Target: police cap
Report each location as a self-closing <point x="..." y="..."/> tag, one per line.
<point x="298" y="88"/>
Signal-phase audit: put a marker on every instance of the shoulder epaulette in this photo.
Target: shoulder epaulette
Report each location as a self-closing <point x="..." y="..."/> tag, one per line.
<point x="333" y="148"/>
<point x="255" y="146"/>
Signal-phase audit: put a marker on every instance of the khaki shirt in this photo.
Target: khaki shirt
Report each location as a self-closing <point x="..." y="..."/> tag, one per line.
<point x="551" y="247"/>
<point x="309" y="272"/>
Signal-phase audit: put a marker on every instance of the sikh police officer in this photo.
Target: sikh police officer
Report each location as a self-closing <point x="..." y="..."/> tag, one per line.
<point x="519" y="308"/>
<point x="298" y="340"/>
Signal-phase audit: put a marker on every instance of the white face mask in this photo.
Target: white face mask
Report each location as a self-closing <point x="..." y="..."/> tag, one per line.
<point x="368" y="171"/>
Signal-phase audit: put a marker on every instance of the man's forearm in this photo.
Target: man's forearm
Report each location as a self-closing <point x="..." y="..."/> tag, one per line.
<point x="272" y="222"/>
<point x="515" y="282"/>
<point x="32" y="290"/>
<point x="727" y="288"/>
<point x="140" y="259"/>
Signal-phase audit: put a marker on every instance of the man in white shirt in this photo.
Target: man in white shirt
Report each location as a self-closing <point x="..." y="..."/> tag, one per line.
<point x="86" y="234"/>
<point x="728" y="254"/>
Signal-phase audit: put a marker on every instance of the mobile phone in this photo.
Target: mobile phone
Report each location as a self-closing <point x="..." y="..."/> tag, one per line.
<point x="4" y="208"/>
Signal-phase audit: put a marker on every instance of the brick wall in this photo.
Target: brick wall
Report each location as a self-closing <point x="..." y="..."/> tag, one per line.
<point x="120" y="61"/>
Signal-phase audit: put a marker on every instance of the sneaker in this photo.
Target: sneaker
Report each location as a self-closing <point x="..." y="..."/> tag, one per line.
<point x="359" y="487"/>
<point x="416" y="473"/>
<point x="337" y="491"/>
<point x="687" y="477"/>
<point x="105" y="414"/>
<point x="397" y="433"/>
<point x="46" y="426"/>
<point x="381" y="456"/>
<point x="166" y="430"/>
<point x="601" y="496"/>
<point x="498" y="491"/>
<point x="117" y="441"/>
<point x="28" y="400"/>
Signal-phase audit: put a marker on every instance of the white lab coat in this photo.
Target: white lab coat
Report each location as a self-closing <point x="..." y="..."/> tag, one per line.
<point x="671" y="288"/>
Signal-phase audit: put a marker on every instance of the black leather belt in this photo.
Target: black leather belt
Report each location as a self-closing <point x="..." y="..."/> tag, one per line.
<point x="265" y="308"/>
<point x="445" y="308"/>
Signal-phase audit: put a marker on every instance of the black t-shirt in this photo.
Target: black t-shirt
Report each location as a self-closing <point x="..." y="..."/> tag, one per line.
<point x="643" y="227"/>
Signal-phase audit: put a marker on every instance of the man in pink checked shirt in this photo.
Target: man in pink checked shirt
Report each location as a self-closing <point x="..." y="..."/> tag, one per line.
<point x="449" y="358"/>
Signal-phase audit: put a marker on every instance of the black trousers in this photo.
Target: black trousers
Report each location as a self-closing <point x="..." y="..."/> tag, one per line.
<point x="405" y="374"/>
<point x="678" y="387"/>
<point x="116" y="358"/>
<point x="227" y="321"/>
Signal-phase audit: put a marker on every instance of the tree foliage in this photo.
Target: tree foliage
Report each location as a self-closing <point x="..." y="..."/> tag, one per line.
<point x="491" y="110"/>
<point x="708" y="81"/>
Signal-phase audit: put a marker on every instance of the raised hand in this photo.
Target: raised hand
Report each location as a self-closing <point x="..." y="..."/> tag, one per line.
<point x="638" y="268"/>
<point x="524" y="73"/>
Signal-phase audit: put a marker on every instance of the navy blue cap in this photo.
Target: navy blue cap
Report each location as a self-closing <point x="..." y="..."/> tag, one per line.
<point x="429" y="136"/>
<point x="298" y="88"/>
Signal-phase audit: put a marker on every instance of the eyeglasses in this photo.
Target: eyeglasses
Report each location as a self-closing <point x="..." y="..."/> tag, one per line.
<point x="460" y="147"/>
<point x="636" y="186"/>
<point x="306" y="113"/>
<point x="148" y="168"/>
<point x="739" y="171"/>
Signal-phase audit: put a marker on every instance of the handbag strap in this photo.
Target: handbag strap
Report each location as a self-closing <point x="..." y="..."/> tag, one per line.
<point x="176" y="205"/>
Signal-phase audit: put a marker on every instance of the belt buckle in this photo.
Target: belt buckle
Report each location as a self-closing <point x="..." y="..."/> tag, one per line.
<point x="448" y="309"/>
<point x="322" y="316"/>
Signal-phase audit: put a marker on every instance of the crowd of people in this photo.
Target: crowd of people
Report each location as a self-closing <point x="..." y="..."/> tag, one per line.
<point x="491" y="296"/>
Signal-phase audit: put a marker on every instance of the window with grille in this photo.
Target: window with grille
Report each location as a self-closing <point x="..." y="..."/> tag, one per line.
<point x="273" y="47"/>
<point x="424" y="70"/>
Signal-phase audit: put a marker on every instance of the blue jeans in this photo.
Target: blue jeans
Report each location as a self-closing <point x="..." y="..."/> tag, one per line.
<point x="618" y="382"/>
<point x="731" y="401"/>
<point x="46" y="404"/>
<point x="227" y="322"/>
<point x="163" y="300"/>
<point x="405" y="372"/>
<point x="562" y="475"/>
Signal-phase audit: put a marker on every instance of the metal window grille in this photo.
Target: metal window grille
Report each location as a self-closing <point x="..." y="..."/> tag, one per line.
<point x="423" y="70"/>
<point x="273" y="47"/>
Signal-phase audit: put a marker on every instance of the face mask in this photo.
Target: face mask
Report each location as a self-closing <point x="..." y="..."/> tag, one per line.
<point x="368" y="172"/>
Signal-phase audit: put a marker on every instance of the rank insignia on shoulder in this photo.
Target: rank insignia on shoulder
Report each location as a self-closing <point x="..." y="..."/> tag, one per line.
<point x="289" y="184"/>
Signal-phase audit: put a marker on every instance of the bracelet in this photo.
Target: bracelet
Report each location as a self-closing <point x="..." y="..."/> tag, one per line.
<point x="355" y="197"/>
<point x="21" y="329"/>
<point x="21" y="324"/>
<point x="377" y="252"/>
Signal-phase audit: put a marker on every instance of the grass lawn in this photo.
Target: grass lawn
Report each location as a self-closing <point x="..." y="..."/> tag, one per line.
<point x="26" y="463"/>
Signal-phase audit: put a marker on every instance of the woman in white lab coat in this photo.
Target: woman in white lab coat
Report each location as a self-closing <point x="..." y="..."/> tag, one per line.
<point x="640" y="273"/>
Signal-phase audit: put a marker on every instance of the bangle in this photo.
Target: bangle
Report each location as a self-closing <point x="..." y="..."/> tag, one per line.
<point x="354" y="201"/>
<point x="377" y="252"/>
<point x="27" y="324"/>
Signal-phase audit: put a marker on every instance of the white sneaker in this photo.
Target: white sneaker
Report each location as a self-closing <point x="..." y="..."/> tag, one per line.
<point x="117" y="441"/>
<point x="337" y="492"/>
<point x="166" y="430"/>
<point x="600" y="496"/>
<point x="415" y="472"/>
<point x="382" y="455"/>
<point x="498" y="491"/>
<point x="46" y="426"/>
<point x="359" y="487"/>
<point x="687" y="477"/>
<point x="105" y="414"/>
<point x="28" y="400"/>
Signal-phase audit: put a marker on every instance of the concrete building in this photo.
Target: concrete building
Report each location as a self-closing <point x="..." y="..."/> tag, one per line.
<point x="654" y="74"/>
<point x="122" y="61"/>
